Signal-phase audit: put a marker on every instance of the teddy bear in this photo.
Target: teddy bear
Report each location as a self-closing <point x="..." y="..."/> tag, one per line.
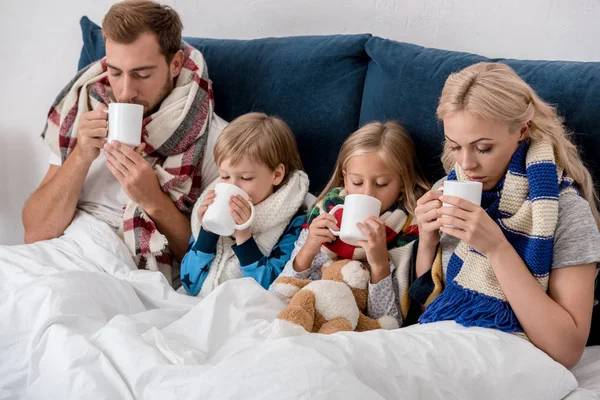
<point x="335" y="303"/>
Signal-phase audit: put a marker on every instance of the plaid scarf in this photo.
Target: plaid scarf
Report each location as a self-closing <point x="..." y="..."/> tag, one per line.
<point x="401" y="234"/>
<point x="525" y="206"/>
<point x="174" y="137"/>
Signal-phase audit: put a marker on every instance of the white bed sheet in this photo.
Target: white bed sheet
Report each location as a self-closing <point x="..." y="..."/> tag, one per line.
<point x="80" y="322"/>
<point x="587" y="373"/>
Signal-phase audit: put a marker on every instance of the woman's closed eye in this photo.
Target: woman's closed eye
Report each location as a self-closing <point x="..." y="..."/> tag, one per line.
<point x="481" y="150"/>
<point x="247" y="178"/>
<point x="357" y="183"/>
<point x="381" y="185"/>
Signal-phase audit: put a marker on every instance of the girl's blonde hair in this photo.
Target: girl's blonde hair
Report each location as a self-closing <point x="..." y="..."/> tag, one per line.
<point x="262" y="138"/>
<point x="494" y="91"/>
<point x="397" y="150"/>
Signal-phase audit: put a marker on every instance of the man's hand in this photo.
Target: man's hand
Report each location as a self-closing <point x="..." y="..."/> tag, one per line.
<point x="91" y="134"/>
<point x="133" y="173"/>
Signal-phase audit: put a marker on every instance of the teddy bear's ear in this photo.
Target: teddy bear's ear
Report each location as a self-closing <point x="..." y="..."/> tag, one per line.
<point x="355" y="275"/>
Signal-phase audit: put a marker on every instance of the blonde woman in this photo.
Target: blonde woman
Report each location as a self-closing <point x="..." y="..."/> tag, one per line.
<point x="525" y="261"/>
<point x="377" y="160"/>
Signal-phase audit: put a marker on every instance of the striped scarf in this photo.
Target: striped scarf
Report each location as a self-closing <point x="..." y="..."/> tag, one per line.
<point x="401" y="234"/>
<point x="174" y="137"/>
<point x="525" y="206"/>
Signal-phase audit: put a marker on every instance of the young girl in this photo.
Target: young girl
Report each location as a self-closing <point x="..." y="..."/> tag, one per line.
<point x="377" y="160"/>
<point x="524" y="262"/>
<point x="257" y="153"/>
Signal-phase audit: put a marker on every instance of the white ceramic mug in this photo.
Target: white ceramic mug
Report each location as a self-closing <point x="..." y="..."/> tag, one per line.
<point x="125" y="123"/>
<point x="218" y="218"/>
<point x="470" y="191"/>
<point x="357" y="208"/>
<point x="467" y="190"/>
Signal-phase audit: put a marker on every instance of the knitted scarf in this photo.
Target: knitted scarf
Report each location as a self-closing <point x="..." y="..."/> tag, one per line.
<point x="525" y="206"/>
<point x="271" y="217"/>
<point x="401" y="233"/>
<point x="174" y="137"/>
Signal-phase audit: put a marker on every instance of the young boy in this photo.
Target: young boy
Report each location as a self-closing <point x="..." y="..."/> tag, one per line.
<point x="257" y="153"/>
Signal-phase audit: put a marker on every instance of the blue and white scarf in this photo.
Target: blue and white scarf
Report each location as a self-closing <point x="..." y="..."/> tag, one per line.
<point x="525" y="206"/>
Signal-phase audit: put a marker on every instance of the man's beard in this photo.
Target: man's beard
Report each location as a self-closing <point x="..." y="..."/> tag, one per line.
<point x="149" y="108"/>
<point x="164" y="92"/>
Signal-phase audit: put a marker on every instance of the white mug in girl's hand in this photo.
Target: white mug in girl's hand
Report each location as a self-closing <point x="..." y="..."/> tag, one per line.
<point x="125" y="123"/>
<point x="218" y="218"/>
<point x="357" y="208"/>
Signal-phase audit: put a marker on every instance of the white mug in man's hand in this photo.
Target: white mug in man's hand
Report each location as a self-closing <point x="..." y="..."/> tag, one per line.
<point x="218" y="218"/>
<point x="125" y="123"/>
<point x="357" y="208"/>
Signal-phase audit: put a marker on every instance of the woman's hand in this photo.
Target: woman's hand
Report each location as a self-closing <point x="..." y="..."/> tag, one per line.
<point x="470" y="223"/>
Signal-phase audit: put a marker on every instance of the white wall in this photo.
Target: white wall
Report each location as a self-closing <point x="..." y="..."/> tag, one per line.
<point x="40" y="43"/>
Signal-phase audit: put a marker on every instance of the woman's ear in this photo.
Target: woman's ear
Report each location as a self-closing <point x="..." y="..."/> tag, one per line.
<point x="344" y="178"/>
<point x="524" y="132"/>
<point x="278" y="175"/>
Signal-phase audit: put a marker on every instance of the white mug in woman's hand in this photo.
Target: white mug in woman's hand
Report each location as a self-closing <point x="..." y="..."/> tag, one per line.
<point x="125" y="123"/>
<point x="468" y="190"/>
<point x="218" y="218"/>
<point x="357" y="208"/>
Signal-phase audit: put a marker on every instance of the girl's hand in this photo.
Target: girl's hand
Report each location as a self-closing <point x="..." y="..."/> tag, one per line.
<point x="319" y="233"/>
<point x="375" y="247"/>
<point x="427" y="216"/>
<point x="241" y="212"/>
<point x="471" y="224"/>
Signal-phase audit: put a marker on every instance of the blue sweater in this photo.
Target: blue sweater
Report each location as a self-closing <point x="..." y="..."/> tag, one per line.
<point x="253" y="263"/>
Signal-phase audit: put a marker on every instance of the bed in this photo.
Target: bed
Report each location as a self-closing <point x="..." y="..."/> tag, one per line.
<point x="80" y="322"/>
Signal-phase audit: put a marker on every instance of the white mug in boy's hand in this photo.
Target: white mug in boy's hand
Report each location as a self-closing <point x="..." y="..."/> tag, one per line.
<point x="218" y="218"/>
<point x="357" y="208"/>
<point x="125" y="123"/>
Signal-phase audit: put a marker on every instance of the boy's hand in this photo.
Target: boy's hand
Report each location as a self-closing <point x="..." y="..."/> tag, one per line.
<point x="241" y="212"/>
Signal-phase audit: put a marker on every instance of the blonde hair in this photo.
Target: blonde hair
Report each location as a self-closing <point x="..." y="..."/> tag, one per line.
<point x="397" y="150"/>
<point x="494" y="91"/>
<point x="263" y="139"/>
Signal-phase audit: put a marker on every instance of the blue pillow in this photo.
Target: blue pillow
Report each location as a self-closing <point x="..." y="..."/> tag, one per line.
<point x="404" y="82"/>
<point x="314" y="83"/>
<point x="93" y="44"/>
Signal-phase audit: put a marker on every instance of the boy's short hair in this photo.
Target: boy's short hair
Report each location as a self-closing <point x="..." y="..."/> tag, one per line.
<point x="127" y="20"/>
<point x="262" y="138"/>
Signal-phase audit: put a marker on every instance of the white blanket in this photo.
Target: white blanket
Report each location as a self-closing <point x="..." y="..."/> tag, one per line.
<point x="80" y="322"/>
